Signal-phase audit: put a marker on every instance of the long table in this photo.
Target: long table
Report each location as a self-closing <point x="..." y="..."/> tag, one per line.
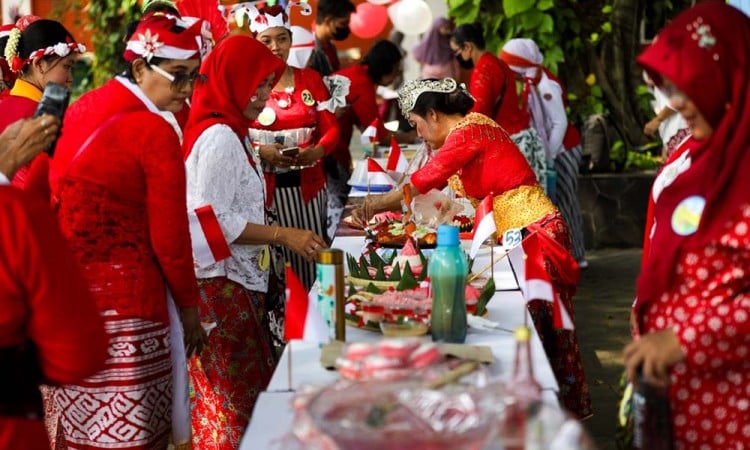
<point x="272" y="417"/>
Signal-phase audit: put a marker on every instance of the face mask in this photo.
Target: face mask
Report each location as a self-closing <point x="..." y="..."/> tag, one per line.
<point x="465" y="63"/>
<point x="341" y="33"/>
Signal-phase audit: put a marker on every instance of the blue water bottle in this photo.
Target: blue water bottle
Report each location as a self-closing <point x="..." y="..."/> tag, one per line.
<point x="448" y="270"/>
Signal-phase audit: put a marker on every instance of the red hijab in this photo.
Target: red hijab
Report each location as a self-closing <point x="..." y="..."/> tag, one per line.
<point x="705" y="52"/>
<point x="230" y="76"/>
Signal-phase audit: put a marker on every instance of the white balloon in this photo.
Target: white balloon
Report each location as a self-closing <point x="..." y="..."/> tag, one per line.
<point x="410" y="16"/>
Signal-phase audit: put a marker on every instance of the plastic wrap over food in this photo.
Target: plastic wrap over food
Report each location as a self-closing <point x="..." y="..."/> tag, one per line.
<point x="435" y="208"/>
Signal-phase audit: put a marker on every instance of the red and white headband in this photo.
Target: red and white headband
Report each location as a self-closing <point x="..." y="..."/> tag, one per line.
<point x="154" y="38"/>
<point x="273" y="16"/>
<point x="16" y="63"/>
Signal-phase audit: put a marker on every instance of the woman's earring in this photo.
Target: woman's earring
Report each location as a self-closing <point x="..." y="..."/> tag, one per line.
<point x="254" y="98"/>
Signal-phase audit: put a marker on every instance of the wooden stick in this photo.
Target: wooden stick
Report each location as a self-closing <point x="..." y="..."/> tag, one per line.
<point x="491" y="264"/>
<point x="454" y="375"/>
<point x="289" y="368"/>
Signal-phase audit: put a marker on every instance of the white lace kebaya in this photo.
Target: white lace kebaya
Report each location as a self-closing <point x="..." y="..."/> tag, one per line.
<point x="219" y="174"/>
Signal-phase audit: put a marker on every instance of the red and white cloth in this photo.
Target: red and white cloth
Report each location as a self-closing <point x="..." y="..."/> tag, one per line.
<point x="376" y="175"/>
<point x="484" y="225"/>
<point x="396" y="160"/>
<point x="370" y="135"/>
<point x="527" y="261"/>
<point x="209" y="244"/>
<point x="302" y="320"/>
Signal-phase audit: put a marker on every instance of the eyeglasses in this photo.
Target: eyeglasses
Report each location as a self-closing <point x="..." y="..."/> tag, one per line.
<point x="179" y="80"/>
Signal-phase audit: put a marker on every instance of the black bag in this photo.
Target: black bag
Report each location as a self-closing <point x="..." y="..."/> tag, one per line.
<point x="20" y="378"/>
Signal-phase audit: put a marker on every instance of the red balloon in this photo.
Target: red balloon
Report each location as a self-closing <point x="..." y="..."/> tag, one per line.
<point x="369" y="20"/>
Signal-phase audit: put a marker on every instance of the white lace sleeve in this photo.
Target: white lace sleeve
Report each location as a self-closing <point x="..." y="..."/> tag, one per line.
<point x="214" y="173"/>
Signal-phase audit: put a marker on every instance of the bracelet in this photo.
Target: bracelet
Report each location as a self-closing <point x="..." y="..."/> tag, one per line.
<point x="275" y="235"/>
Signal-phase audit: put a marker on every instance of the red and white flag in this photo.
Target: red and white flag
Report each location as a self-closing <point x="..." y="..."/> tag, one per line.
<point x="396" y="160"/>
<point x="302" y="320"/>
<point x="527" y="260"/>
<point x="370" y="135"/>
<point x="209" y="244"/>
<point x="376" y="175"/>
<point x="484" y="225"/>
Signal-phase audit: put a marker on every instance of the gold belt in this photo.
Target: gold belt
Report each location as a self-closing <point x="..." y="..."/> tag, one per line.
<point x="514" y="208"/>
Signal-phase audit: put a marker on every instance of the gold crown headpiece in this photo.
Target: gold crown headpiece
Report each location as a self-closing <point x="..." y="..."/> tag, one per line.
<point x="408" y="95"/>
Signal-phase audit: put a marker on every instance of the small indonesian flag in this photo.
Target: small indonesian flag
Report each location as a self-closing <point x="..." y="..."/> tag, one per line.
<point x="209" y="244"/>
<point x="527" y="260"/>
<point x="376" y="176"/>
<point x="370" y="134"/>
<point x="396" y="160"/>
<point x="484" y="225"/>
<point x="302" y="320"/>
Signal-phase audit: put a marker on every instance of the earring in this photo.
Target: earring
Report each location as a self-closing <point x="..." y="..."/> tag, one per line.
<point x="254" y="98"/>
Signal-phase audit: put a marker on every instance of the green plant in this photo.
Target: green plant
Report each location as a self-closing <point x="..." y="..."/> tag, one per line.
<point x="107" y="21"/>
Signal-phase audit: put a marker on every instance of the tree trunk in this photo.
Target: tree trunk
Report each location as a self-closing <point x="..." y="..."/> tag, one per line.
<point x="617" y="72"/>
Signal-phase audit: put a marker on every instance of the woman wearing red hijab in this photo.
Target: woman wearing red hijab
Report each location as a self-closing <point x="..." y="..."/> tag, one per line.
<point x="692" y="308"/>
<point x="225" y="172"/>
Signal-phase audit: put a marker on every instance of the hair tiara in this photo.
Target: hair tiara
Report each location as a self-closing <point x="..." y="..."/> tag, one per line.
<point x="409" y="94"/>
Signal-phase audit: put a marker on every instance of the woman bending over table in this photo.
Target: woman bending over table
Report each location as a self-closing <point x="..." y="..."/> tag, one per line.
<point x="476" y="157"/>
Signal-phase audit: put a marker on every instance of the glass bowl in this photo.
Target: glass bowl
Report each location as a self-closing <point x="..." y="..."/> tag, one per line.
<point x="399" y="416"/>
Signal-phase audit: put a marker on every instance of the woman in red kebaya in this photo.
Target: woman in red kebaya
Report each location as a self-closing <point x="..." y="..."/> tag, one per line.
<point x="50" y="330"/>
<point x="380" y="66"/>
<point x="294" y="116"/>
<point x="492" y="84"/>
<point x="471" y="149"/>
<point x="39" y="52"/>
<point x="119" y="180"/>
<point x="692" y="308"/>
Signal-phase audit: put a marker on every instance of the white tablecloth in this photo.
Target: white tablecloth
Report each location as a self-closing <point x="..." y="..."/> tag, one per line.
<point x="273" y="415"/>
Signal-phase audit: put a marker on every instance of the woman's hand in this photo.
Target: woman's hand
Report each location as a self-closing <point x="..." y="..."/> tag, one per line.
<point x="651" y="129"/>
<point x="22" y="140"/>
<point x="655" y="353"/>
<point x="194" y="335"/>
<point x="310" y="155"/>
<point x="369" y="207"/>
<point x="303" y="242"/>
<point x="271" y="153"/>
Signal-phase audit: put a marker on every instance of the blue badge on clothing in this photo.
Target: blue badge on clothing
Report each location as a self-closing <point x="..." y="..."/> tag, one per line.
<point x="687" y="215"/>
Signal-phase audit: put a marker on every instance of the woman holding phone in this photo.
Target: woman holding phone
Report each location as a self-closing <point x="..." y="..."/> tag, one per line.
<point x="292" y="134"/>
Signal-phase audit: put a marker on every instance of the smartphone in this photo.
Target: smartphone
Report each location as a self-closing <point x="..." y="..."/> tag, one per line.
<point x="54" y="102"/>
<point x="290" y="151"/>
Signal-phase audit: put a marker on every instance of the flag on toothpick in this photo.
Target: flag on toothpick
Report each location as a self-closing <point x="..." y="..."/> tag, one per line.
<point x="396" y="160"/>
<point x="370" y="134"/>
<point x="376" y="175"/>
<point x="527" y="260"/>
<point x="302" y="320"/>
<point x="484" y="225"/>
<point x="208" y="241"/>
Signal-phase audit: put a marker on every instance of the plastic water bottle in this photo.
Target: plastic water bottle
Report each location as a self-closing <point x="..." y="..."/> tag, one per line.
<point x="448" y="270"/>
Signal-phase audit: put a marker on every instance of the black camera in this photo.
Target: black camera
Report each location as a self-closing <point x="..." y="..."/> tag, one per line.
<point x="54" y="102"/>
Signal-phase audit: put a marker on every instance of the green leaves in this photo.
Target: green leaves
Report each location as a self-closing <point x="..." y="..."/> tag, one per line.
<point x="513" y="7"/>
<point x="464" y="11"/>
